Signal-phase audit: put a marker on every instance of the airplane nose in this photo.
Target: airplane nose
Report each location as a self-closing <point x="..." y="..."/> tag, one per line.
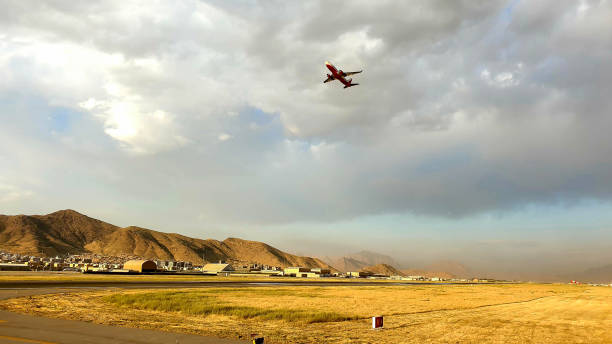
<point x="327" y="63"/>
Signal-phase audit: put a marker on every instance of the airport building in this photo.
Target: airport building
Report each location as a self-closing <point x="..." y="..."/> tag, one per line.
<point x="307" y="272"/>
<point x="14" y="267"/>
<point x="359" y="274"/>
<point x="322" y="272"/>
<point x="296" y="271"/>
<point x="140" y="266"/>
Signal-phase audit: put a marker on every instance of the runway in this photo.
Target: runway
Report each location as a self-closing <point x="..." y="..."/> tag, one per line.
<point x="206" y="284"/>
<point x="19" y="328"/>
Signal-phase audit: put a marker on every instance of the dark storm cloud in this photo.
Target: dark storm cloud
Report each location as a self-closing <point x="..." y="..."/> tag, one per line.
<point x="464" y="107"/>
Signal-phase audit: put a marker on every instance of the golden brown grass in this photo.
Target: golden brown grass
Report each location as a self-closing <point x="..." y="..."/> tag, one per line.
<point x="525" y="313"/>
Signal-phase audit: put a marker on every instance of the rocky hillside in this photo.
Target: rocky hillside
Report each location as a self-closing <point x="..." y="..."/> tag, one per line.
<point x="345" y="264"/>
<point x="455" y="269"/>
<point x="68" y="231"/>
<point x="360" y="260"/>
<point x="383" y="269"/>
<point x="444" y="269"/>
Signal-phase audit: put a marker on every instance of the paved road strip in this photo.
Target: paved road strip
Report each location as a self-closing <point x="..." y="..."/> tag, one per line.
<point x="25" y="340"/>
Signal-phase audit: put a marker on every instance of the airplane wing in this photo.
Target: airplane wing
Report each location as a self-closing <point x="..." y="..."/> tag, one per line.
<point x="351" y="73"/>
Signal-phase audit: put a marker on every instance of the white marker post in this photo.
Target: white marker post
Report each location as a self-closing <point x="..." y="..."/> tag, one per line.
<point x="377" y="322"/>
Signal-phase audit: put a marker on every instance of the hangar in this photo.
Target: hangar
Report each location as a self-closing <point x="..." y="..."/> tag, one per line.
<point x="140" y="266"/>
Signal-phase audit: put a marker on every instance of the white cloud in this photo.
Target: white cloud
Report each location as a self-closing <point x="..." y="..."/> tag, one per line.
<point x="358" y="41"/>
<point x="90" y="104"/>
<point x="224" y="137"/>
<point x="11" y="193"/>
<point x="323" y="150"/>
<point x="139" y="131"/>
<point x="502" y="79"/>
<point x="582" y="7"/>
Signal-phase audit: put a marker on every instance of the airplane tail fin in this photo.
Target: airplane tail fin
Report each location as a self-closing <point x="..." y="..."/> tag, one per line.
<point x="347" y="86"/>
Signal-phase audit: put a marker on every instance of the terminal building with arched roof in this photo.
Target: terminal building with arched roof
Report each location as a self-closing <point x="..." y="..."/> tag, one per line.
<point x="140" y="266"/>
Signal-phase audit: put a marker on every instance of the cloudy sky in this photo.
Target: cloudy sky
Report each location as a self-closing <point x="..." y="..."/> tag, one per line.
<point x="480" y="130"/>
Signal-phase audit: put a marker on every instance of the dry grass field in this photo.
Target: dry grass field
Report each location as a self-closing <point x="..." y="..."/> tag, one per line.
<point x="519" y="313"/>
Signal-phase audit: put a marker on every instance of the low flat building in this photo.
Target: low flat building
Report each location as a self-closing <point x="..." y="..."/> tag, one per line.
<point x="296" y="271"/>
<point x="14" y="267"/>
<point x="321" y="271"/>
<point x="359" y="274"/>
<point x="311" y="275"/>
<point x="378" y="276"/>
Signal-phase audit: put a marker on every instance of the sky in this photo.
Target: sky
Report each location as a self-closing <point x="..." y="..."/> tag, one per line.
<point x="479" y="133"/>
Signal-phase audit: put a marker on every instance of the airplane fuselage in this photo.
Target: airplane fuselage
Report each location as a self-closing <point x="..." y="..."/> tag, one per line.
<point x="337" y="74"/>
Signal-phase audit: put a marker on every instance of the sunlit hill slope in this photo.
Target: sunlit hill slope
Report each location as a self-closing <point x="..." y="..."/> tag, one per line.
<point x="68" y="231"/>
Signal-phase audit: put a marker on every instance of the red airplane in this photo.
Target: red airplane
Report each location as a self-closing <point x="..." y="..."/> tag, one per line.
<point x="339" y="75"/>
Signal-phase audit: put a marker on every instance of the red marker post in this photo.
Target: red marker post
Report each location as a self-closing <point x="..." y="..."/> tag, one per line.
<point x="377" y="322"/>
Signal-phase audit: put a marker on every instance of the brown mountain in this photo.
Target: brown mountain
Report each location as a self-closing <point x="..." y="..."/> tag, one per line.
<point x="345" y="264"/>
<point x="450" y="267"/>
<point x="57" y="233"/>
<point x="444" y="269"/>
<point x="383" y="269"/>
<point x="68" y="231"/>
<point x="359" y="260"/>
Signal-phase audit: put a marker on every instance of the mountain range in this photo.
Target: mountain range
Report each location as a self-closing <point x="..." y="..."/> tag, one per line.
<point x="386" y="265"/>
<point x="358" y="261"/>
<point x="69" y="232"/>
<point x="383" y="269"/>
